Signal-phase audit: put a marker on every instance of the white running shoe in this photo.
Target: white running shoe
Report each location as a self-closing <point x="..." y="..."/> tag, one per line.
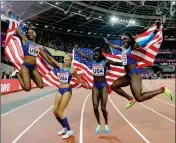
<point x="63" y="131"/>
<point x="68" y="134"/>
<point x="14" y="73"/>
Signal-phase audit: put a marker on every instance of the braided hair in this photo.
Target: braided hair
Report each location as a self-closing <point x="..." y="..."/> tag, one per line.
<point x="102" y="57"/>
<point x="132" y="39"/>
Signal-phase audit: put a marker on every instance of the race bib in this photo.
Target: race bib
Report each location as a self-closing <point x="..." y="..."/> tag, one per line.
<point x="33" y="50"/>
<point x="98" y="70"/>
<point x="124" y="59"/>
<point x="63" y="77"/>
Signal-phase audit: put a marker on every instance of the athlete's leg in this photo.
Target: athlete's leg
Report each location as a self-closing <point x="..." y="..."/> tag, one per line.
<point x="63" y="104"/>
<point x="136" y="89"/>
<point x="56" y="107"/>
<point x="24" y="78"/>
<point x="104" y="97"/>
<point x="95" y="101"/>
<point x="121" y="82"/>
<point x="37" y="78"/>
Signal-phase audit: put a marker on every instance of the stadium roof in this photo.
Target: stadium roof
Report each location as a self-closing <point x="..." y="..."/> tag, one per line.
<point x="93" y="17"/>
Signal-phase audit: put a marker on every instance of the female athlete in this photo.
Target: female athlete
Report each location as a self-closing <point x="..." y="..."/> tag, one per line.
<point x="100" y="91"/>
<point x="28" y="70"/>
<point x="133" y="75"/>
<point x="62" y="99"/>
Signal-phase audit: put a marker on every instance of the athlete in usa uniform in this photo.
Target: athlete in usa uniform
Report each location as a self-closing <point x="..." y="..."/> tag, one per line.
<point x="133" y="75"/>
<point x="100" y="91"/>
<point x="62" y="99"/>
<point x="28" y="70"/>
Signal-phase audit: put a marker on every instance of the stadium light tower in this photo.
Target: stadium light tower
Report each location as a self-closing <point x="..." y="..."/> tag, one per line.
<point x="113" y="19"/>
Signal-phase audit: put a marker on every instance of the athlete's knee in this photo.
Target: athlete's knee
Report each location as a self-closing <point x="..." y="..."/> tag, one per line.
<point x="138" y="98"/>
<point x="95" y="107"/>
<point x="114" y="86"/>
<point x="55" y="113"/>
<point x="27" y="88"/>
<point x="60" y="113"/>
<point x="40" y="86"/>
<point x="103" y="109"/>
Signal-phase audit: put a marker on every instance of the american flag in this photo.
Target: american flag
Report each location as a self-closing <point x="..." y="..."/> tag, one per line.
<point x="144" y="55"/>
<point x="14" y="52"/>
<point x="84" y="66"/>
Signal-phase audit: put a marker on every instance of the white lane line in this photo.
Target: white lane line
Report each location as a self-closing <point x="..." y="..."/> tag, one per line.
<point x="21" y="134"/>
<point x="32" y="102"/>
<point x="81" y="120"/>
<point x="146" y="85"/>
<point x="164" y="102"/>
<point x="27" y="104"/>
<point x="158" y="113"/>
<point x="135" y="129"/>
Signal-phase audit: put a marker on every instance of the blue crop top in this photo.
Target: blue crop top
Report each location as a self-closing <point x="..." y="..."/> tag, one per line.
<point x="99" y="68"/>
<point x="65" y="76"/>
<point x="30" y="49"/>
<point x="141" y="44"/>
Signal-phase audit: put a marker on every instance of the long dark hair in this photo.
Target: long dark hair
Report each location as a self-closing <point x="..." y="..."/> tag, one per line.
<point x="132" y="39"/>
<point x="102" y="57"/>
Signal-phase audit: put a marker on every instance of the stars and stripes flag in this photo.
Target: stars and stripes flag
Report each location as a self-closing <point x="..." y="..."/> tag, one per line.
<point x="84" y="67"/>
<point x="144" y="55"/>
<point x="14" y="53"/>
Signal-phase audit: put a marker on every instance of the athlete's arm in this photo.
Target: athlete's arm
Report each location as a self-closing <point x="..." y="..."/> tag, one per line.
<point x="78" y="77"/>
<point x="44" y="55"/>
<point x="22" y="36"/>
<point x="56" y="70"/>
<point x="53" y="61"/>
<point x="112" y="45"/>
<point x="113" y="63"/>
<point x="83" y="54"/>
<point x="149" y="38"/>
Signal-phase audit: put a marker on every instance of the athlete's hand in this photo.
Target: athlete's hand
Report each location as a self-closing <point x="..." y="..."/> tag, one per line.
<point x="75" y="47"/>
<point x="106" y="41"/>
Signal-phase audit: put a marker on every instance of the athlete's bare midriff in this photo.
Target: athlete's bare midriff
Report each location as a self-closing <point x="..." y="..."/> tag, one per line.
<point x="64" y="85"/>
<point x="30" y="60"/>
<point x="98" y="79"/>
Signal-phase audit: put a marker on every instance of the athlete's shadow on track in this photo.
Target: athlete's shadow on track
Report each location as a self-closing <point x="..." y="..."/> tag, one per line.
<point x="111" y="139"/>
<point x="70" y="140"/>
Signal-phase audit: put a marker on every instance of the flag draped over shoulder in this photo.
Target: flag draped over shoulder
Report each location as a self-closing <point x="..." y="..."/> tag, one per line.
<point x="144" y="55"/>
<point x="14" y="52"/>
<point x="84" y="67"/>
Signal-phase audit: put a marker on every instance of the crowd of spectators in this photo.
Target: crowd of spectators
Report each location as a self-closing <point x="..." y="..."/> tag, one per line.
<point x="165" y="56"/>
<point x="66" y="42"/>
<point x="168" y="65"/>
<point x="158" y="75"/>
<point x="6" y="75"/>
